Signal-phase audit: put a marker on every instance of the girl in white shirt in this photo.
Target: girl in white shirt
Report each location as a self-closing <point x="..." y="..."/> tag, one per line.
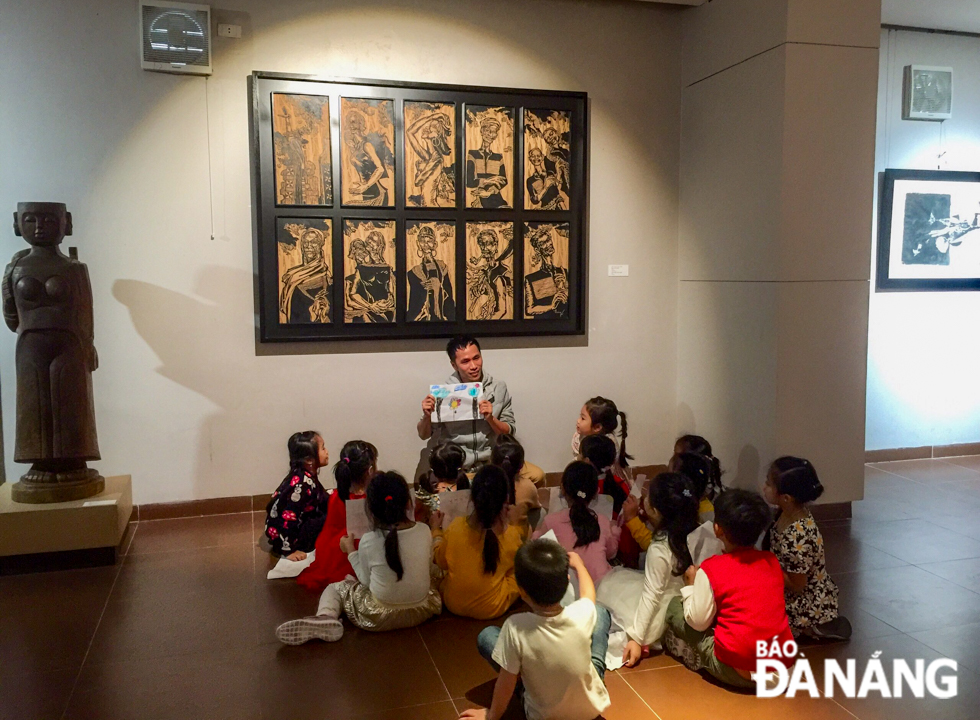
<point x="393" y="588"/>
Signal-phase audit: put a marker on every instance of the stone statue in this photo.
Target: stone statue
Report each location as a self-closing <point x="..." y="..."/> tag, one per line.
<point x="47" y="301"/>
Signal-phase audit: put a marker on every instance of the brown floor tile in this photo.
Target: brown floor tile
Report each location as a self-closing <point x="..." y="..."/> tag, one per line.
<point x="846" y="553"/>
<point x="626" y="703"/>
<point x="961" y="643"/>
<point x="35" y="696"/>
<point x="277" y="601"/>
<point x="917" y="541"/>
<point x="928" y="472"/>
<point x="361" y="673"/>
<point x="481" y="696"/>
<point x="910" y="599"/>
<point x="970" y="462"/>
<point x="965" y="573"/>
<point x="882" y="510"/>
<point x="874" y="707"/>
<point x="679" y="694"/>
<point x="219" y="687"/>
<point x="191" y="533"/>
<point x="656" y="661"/>
<point x="127" y="539"/>
<point x="164" y="578"/>
<point x="451" y="642"/>
<point x="432" y="711"/>
<point x="47" y="620"/>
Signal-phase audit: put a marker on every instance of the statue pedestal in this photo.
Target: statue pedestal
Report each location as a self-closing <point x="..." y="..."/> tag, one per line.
<point x="96" y="524"/>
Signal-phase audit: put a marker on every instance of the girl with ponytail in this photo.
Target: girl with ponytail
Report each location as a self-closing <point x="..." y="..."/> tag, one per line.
<point x="699" y="446"/>
<point x="508" y="455"/>
<point x="699" y="469"/>
<point x="600" y="416"/>
<point x="811" y="595"/>
<point x="477" y="552"/>
<point x="392" y="589"/>
<point x="358" y="463"/>
<point x="578" y="527"/>
<point x="297" y="509"/>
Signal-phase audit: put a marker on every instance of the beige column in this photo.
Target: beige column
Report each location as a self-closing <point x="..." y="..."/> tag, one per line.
<point x="777" y="173"/>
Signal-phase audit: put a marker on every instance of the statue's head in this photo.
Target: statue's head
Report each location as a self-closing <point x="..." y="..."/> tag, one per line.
<point x="42" y="223"/>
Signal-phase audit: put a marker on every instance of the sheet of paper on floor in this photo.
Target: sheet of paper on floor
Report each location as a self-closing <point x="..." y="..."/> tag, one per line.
<point x="290" y="568"/>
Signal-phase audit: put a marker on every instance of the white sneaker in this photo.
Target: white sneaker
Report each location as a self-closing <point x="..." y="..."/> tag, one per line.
<point x="297" y="632"/>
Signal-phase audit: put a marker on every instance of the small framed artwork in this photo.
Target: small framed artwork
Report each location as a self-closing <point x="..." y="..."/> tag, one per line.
<point x="301" y="149"/>
<point x="367" y="151"/>
<point x="430" y="154"/>
<point x="431" y="270"/>
<point x="489" y="157"/>
<point x="546" y="271"/>
<point x="305" y="249"/>
<point x="547" y="138"/>
<point x="929" y="231"/>
<point x="369" y="271"/>
<point x="489" y="271"/>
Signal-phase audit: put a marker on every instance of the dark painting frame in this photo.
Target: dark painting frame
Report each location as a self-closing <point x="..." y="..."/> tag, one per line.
<point x="889" y="235"/>
<point x="266" y="212"/>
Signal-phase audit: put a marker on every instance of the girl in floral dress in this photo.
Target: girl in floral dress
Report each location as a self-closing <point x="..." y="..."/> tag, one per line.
<point x="298" y="508"/>
<point x="811" y="595"/>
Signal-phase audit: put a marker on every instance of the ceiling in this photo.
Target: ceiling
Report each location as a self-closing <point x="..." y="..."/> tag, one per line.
<point x="962" y="15"/>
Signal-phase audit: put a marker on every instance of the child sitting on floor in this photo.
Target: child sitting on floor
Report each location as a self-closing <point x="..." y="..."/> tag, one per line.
<point x="739" y="592"/>
<point x="699" y="446"/>
<point x="508" y="455"/>
<point x="298" y="508"/>
<point x="701" y="471"/>
<point x="600" y="416"/>
<point x="393" y="589"/>
<point x="357" y="465"/>
<point x="556" y="653"/>
<point x="578" y="527"/>
<point x="445" y="474"/>
<point x="672" y="506"/>
<point x="477" y="552"/>
<point x="811" y="595"/>
<point x="600" y="451"/>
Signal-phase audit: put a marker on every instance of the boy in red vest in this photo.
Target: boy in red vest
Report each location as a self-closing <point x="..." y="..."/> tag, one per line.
<point x="739" y="592"/>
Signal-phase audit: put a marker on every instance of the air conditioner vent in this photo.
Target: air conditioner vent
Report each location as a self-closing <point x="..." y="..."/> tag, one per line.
<point x="927" y="93"/>
<point x="175" y="37"/>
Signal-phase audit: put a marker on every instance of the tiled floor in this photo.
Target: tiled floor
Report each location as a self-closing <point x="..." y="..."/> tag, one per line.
<point x="183" y="627"/>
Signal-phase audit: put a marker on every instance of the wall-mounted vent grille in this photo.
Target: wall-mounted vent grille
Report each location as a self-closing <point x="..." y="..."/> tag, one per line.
<point x="175" y="37"/>
<point x="927" y="93"/>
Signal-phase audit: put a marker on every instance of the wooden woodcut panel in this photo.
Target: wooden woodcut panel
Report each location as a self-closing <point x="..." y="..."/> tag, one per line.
<point x="489" y="271"/>
<point x="431" y="271"/>
<point x="489" y="157"/>
<point x="430" y="154"/>
<point x="369" y="271"/>
<point x="546" y="270"/>
<point x="304" y="248"/>
<point x="547" y="138"/>
<point x="367" y="152"/>
<point x="301" y="149"/>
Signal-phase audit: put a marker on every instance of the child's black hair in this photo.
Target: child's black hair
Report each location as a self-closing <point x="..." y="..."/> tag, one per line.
<point x="698" y="445"/>
<point x="674" y="496"/>
<point x="460" y="342"/>
<point x="604" y="413"/>
<point x="387" y="500"/>
<point x="797" y="478"/>
<point x="508" y="455"/>
<point x="356" y="458"/>
<point x="743" y="515"/>
<point x="302" y="447"/>
<point x="581" y="483"/>
<point x="541" y="570"/>
<point x="446" y="462"/>
<point x="695" y="467"/>
<point x="601" y="452"/>
<point x="489" y="492"/>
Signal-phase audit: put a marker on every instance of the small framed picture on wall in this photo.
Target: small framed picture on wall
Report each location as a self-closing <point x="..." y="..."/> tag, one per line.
<point x="929" y="231"/>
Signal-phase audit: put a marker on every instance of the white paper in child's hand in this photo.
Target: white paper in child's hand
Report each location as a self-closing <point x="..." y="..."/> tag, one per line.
<point x="456" y="402"/>
<point x="638" y="483"/>
<point x="703" y="543"/>
<point x="358" y="523"/>
<point x="453" y="505"/>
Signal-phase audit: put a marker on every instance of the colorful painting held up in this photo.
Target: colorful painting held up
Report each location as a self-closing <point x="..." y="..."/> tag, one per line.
<point x="456" y="403"/>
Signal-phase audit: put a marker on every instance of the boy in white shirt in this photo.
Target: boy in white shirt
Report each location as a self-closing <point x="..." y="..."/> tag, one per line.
<point x="556" y="654"/>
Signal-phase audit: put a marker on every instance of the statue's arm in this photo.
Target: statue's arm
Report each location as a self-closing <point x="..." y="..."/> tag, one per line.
<point x="84" y="314"/>
<point x="9" y="304"/>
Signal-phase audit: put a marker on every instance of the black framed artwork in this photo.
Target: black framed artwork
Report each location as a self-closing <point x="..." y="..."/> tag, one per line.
<point x="929" y="231"/>
<point x="386" y="210"/>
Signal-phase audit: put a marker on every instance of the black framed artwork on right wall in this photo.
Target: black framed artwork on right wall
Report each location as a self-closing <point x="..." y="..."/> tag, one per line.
<point x="929" y="231"/>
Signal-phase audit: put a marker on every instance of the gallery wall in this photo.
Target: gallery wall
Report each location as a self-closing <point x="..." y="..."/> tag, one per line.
<point x="923" y="388"/>
<point x="155" y="169"/>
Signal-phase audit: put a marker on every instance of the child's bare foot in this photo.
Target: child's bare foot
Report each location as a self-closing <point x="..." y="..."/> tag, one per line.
<point x="297" y="556"/>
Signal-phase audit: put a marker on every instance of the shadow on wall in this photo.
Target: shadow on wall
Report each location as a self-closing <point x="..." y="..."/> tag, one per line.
<point x="746" y="474"/>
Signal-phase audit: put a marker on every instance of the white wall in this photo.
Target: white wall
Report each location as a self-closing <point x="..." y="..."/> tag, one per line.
<point x="155" y="170"/>
<point x="923" y="387"/>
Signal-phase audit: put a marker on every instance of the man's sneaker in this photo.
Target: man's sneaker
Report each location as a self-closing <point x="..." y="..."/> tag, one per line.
<point x="838" y="629"/>
<point x="297" y="632"/>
